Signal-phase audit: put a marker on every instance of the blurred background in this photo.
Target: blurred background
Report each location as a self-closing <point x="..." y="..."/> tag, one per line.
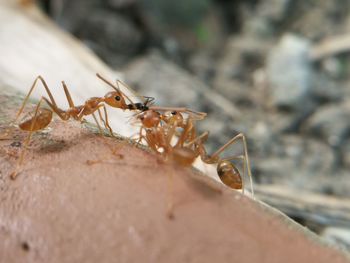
<point x="276" y="70"/>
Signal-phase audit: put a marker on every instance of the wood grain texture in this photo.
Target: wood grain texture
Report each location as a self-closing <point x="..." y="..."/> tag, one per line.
<point x="320" y="209"/>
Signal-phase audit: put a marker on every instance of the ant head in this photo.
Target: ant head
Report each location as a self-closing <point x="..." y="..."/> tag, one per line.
<point x="172" y="117"/>
<point x="115" y="99"/>
<point x="149" y="118"/>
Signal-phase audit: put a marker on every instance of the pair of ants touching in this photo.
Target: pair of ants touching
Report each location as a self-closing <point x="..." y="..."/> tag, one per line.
<point x="158" y="130"/>
<point x="169" y="132"/>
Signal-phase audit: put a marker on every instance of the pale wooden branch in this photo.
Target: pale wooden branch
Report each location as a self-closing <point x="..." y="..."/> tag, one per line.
<point x="320" y="209"/>
<point x="330" y="47"/>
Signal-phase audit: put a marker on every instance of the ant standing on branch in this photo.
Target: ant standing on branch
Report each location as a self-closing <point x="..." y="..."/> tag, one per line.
<point x="42" y="116"/>
<point x="159" y="127"/>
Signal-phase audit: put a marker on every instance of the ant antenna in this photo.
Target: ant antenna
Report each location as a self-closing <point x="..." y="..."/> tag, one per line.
<point x="116" y="88"/>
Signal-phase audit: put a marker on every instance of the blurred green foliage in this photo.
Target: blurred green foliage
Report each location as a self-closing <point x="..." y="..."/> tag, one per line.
<point x="202" y="33"/>
<point x="182" y="13"/>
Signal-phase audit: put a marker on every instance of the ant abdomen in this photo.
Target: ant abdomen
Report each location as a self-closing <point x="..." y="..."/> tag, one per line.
<point x="229" y="175"/>
<point x="43" y="118"/>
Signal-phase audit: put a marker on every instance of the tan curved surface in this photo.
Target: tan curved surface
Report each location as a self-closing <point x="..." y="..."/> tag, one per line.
<point x="62" y="210"/>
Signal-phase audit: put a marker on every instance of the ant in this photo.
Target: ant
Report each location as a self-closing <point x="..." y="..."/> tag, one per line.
<point x="189" y="146"/>
<point x="43" y="116"/>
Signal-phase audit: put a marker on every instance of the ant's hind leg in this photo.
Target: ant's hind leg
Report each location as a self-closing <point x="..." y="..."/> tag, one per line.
<point x="6" y="134"/>
<point x="14" y="174"/>
<point x="199" y="139"/>
<point x="51" y="102"/>
<point x="30" y="92"/>
<point x="68" y="96"/>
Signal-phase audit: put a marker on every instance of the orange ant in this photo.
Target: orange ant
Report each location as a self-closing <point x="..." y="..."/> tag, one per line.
<point x="43" y="116"/>
<point x="189" y="146"/>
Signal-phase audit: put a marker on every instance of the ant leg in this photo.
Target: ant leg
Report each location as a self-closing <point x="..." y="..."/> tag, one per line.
<point x="114" y="151"/>
<point x="5" y="135"/>
<point x="105" y="120"/>
<point x="170" y="193"/>
<point x="107" y="126"/>
<point x="199" y="115"/>
<point x="151" y="143"/>
<point x="170" y="134"/>
<point x="30" y="92"/>
<point x="102" y="120"/>
<point x="98" y="125"/>
<point x="141" y="136"/>
<point x="14" y="174"/>
<point x="68" y="96"/>
<point x="189" y="129"/>
<point x="201" y="138"/>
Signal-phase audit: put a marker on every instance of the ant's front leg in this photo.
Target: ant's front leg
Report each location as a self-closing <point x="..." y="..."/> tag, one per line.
<point x="105" y="120"/>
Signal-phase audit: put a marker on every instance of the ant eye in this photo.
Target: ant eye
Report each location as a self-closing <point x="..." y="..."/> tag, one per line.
<point x="142" y="118"/>
<point x="117" y="98"/>
<point x="173" y="112"/>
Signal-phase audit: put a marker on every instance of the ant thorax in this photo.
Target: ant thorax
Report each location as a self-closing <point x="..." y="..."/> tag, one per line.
<point x="173" y="118"/>
<point x="150" y="118"/>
